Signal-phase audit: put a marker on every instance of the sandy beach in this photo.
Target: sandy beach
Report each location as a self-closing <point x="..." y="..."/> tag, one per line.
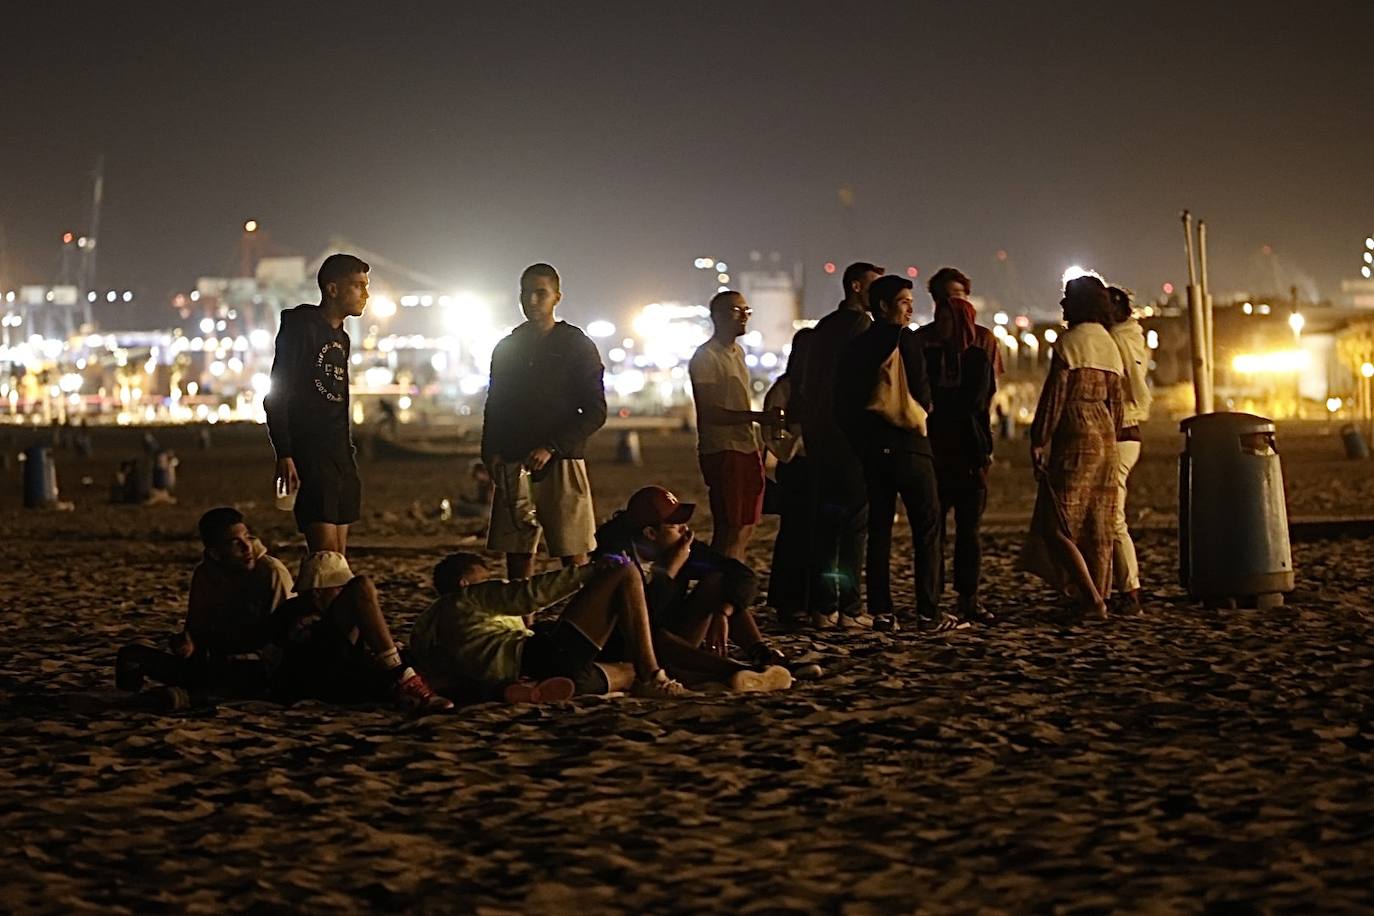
<point x="1190" y="761"/>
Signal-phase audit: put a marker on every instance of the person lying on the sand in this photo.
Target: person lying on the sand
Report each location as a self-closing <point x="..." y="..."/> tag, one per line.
<point x="234" y="590"/>
<point x="689" y="587"/>
<point x="336" y="643"/>
<point x="476" y="631"/>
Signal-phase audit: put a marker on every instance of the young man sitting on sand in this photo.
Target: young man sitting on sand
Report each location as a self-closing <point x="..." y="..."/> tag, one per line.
<point x="477" y="631"/>
<point x="337" y="645"/>
<point x="234" y="590"/>
<point x="690" y="587"/>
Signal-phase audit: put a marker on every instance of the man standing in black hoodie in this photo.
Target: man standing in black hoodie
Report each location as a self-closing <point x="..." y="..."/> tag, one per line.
<point x="307" y="407"/>
<point x="837" y="495"/>
<point x="896" y="461"/>
<point x="547" y="395"/>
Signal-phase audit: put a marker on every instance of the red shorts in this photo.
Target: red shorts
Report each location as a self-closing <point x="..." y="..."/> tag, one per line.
<point x="735" y="482"/>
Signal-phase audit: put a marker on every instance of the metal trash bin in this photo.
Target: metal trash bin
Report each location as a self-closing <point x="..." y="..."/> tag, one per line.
<point x="40" y="477"/>
<point x="1232" y="520"/>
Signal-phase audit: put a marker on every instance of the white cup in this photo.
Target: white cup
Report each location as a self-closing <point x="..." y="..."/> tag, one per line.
<point x="286" y="501"/>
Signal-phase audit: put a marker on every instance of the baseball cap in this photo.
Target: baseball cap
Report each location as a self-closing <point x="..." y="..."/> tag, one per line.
<point x="323" y="569"/>
<point x="657" y="506"/>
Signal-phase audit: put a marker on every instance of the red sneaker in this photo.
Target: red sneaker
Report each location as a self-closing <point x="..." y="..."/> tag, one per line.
<point x="411" y="692"/>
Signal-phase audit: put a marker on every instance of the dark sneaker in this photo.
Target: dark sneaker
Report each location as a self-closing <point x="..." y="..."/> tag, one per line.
<point x="886" y="623"/>
<point x="411" y="692"/>
<point x="941" y="623"/>
<point x="174" y="699"/>
<point x="972" y="610"/>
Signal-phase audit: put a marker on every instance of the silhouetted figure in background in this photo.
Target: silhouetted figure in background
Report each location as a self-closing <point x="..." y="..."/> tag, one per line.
<point x="896" y="460"/>
<point x="961" y="361"/>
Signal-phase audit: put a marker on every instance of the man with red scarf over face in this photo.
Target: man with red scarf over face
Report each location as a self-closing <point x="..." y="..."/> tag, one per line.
<point x="963" y="363"/>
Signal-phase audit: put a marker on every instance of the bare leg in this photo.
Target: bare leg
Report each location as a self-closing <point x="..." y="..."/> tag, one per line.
<point x="691" y="664"/>
<point x="616" y="597"/>
<point x="732" y="542"/>
<point x="358" y="612"/>
<point x="519" y="566"/>
<point x="1080" y="579"/>
<point x="325" y="536"/>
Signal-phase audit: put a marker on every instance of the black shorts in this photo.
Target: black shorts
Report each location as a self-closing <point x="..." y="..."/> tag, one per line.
<point x="559" y="649"/>
<point x="325" y="665"/>
<point x="330" y="490"/>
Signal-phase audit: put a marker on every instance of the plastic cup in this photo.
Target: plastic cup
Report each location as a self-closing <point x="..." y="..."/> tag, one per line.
<point x="286" y="500"/>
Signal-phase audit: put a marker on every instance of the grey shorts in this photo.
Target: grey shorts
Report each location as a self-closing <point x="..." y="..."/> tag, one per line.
<point x="556" y="505"/>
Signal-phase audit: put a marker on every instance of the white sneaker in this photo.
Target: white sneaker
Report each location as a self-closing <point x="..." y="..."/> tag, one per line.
<point x="659" y="687"/>
<point x="774" y="677"/>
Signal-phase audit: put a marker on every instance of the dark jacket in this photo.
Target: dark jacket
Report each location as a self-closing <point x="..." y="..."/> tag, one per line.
<point x="546" y="391"/>
<point x="307" y="407"/>
<point x="962" y="386"/>
<point x="857" y="378"/>
<point x="813" y="391"/>
<point x="739" y="583"/>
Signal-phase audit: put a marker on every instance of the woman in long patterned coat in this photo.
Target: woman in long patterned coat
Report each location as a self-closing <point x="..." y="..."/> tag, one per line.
<point x="1074" y="454"/>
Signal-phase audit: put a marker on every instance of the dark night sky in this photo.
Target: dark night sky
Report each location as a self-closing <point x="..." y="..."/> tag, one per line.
<point x="621" y="140"/>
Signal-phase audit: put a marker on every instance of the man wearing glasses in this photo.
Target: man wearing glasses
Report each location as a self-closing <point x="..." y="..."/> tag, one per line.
<point x="728" y="446"/>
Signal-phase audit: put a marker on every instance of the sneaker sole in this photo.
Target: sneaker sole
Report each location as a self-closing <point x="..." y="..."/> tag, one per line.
<point x="549" y="690"/>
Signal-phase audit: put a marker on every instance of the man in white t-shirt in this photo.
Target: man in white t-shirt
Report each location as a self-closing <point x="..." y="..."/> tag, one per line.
<point x="728" y="446"/>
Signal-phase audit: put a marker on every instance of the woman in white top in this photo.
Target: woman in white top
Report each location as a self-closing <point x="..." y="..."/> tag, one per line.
<point x="1135" y="403"/>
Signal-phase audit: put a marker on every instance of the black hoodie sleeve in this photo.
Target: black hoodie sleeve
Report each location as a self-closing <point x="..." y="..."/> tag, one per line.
<point x="589" y="400"/>
<point x="285" y="371"/>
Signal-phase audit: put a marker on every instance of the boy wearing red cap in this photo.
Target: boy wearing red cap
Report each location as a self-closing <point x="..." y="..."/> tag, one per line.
<point x="689" y="586"/>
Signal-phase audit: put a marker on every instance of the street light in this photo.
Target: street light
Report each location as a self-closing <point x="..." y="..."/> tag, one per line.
<point x="250" y="226"/>
<point x="1296" y="322"/>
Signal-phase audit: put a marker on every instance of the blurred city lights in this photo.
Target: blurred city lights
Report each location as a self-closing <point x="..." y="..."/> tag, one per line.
<point x="1051" y="335"/>
<point x="1168" y="289"/>
<point x="1367" y="370"/>
<point x="250" y="226"/>
<point x="1151" y="338"/>
<point x="1333" y="404"/>
<point x="830" y="267"/>
<point x="1296" y="322"/>
<point x="1000" y="318"/>
<point x="382" y="307"/>
<point x="600" y="329"/>
<point x="1279" y="361"/>
<point x="912" y="272"/>
<point x="1074" y="271"/>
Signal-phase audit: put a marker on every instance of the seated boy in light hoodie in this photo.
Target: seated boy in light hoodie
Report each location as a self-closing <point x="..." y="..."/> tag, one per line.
<point x="234" y="590"/>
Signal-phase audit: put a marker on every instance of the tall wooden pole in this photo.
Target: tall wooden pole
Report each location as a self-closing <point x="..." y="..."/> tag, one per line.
<point x="1197" y="327"/>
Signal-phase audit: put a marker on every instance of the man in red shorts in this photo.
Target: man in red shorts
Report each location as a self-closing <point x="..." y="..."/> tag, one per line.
<point x="728" y="446"/>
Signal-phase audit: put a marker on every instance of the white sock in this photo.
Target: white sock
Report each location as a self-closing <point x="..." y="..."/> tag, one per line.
<point x="391" y="658"/>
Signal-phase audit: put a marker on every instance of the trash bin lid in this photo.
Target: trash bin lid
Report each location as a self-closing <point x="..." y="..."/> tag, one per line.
<point x="1223" y="423"/>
